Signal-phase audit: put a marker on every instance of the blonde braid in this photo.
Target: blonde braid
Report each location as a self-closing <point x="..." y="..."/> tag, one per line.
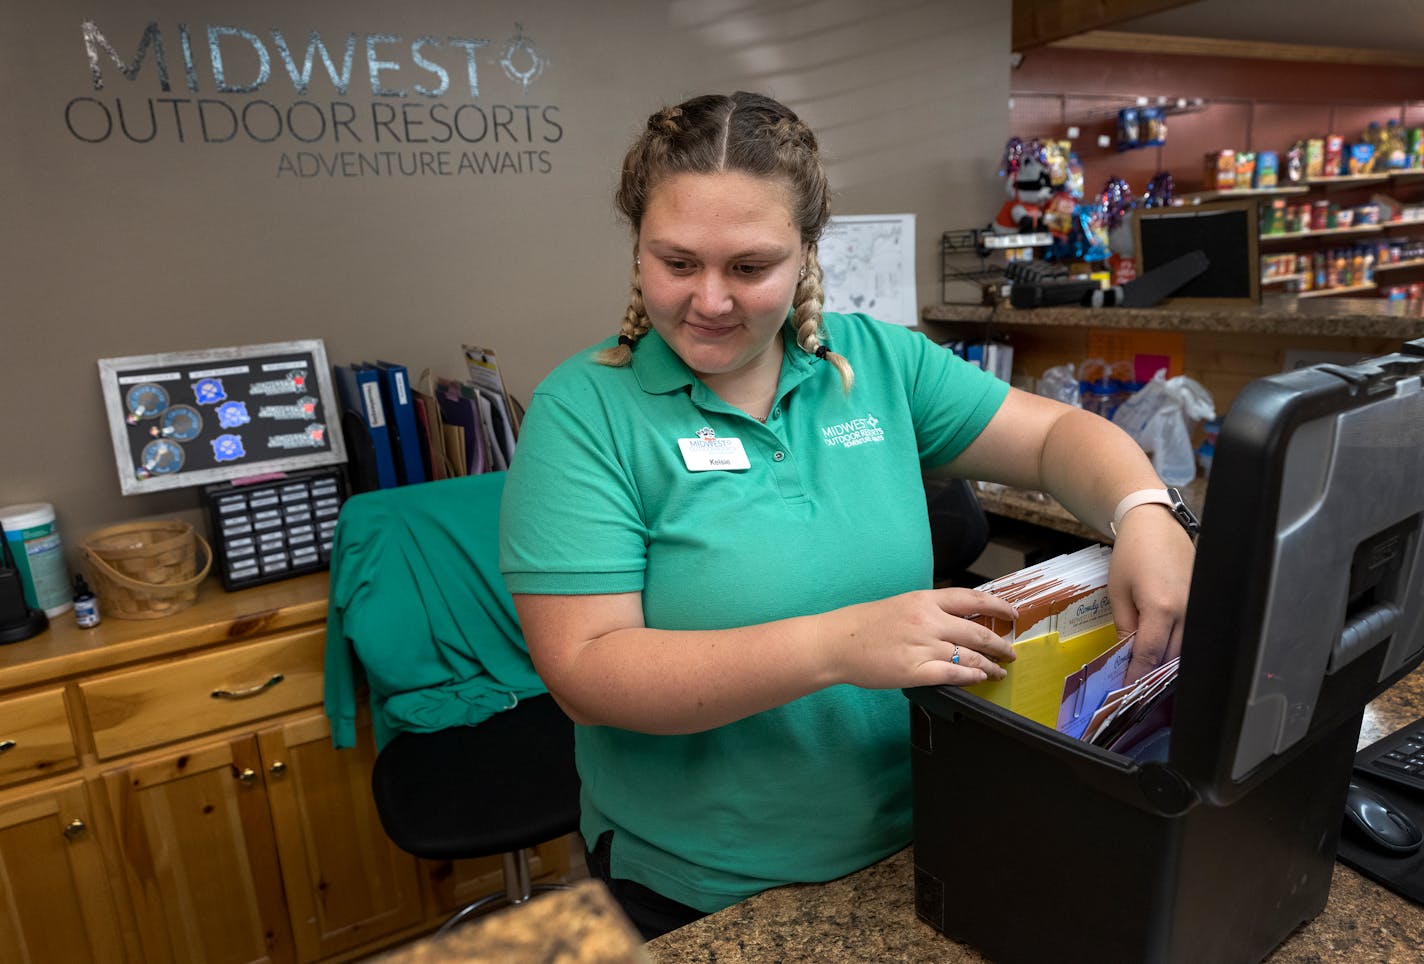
<point x="807" y="318"/>
<point x="635" y="322"/>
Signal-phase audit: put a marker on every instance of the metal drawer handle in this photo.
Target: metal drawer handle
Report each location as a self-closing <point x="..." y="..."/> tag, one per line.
<point x="73" y="829"/>
<point x="249" y="692"/>
<point x="6" y="745"/>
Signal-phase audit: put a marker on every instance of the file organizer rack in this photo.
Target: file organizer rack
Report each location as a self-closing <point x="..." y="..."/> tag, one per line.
<point x="274" y="528"/>
<point x="1307" y="601"/>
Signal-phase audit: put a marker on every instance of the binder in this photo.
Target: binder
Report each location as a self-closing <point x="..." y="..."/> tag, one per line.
<point x="360" y="390"/>
<point x="396" y="393"/>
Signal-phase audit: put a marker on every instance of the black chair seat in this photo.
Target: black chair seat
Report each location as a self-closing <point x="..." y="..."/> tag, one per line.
<point x="476" y="791"/>
<point x="959" y="530"/>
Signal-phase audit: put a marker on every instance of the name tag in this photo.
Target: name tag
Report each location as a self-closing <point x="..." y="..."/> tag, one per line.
<point x="713" y="454"/>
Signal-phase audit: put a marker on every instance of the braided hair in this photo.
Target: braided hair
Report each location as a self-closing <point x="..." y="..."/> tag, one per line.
<point x="713" y="134"/>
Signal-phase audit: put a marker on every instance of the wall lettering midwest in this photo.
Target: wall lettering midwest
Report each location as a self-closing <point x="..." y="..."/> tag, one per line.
<point x="382" y="92"/>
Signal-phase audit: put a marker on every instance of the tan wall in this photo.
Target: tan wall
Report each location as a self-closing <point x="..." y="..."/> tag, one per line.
<point x="116" y="247"/>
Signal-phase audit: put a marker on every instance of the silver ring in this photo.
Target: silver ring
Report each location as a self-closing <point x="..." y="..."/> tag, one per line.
<point x="955" y="657"/>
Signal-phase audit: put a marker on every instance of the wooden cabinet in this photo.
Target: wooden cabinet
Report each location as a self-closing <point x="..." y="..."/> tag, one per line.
<point x="200" y="855"/>
<point x="170" y="793"/>
<point x="345" y="881"/>
<point x="57" y="902"/>
<point x="152" y="705"/>
<point x="34" y="737"/>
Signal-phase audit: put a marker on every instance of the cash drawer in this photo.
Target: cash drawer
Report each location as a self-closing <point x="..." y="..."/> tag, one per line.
<point x="158" y="704"/>
<point x="35" y="739"/>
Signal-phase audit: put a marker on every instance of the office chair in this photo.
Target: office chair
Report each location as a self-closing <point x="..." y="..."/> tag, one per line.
<point x="496" y="788"/>
<point x="959" y="529"/>
<point x="476" y="759"/>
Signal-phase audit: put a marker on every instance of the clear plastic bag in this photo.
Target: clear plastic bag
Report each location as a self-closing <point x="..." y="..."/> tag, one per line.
<point x="1061" y="383"/>
<point x="1160" y="417"/>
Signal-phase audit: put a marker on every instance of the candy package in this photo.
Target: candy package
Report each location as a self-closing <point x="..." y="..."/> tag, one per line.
<point x="1220" y="173"/>
<point x="1266" y="169"/>
<point x="1128" y="131"/>
<point x="1153" y="126"/>
<point x="1362" y="158"/>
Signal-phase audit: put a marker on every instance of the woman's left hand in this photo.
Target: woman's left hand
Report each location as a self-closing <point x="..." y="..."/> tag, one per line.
<point x="1148" y="582"/>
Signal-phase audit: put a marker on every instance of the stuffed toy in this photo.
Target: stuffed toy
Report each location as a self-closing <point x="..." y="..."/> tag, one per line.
<point x="1029" y="187"/>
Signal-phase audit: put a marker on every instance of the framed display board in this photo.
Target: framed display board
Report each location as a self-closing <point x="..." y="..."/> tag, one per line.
<point x="1226" y="233"/>
<point x="193" y="418"/>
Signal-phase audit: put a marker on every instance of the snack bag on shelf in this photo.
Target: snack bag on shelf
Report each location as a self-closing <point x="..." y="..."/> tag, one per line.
<point x="1315" y="157"/>
<point x="1266" y="169"/>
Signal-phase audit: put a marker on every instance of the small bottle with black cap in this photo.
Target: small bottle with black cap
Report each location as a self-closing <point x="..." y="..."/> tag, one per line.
<point x="86" y="604"/>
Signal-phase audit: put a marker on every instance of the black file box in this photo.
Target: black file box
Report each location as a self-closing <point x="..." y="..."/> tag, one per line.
<point x="1307" y="601"/>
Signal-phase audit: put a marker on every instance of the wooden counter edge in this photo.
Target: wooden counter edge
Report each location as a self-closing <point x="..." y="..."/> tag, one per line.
<point x="64" y="650"/>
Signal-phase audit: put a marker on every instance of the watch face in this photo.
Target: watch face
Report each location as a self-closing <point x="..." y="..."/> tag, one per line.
<point x="145" y="400"/>
<point x="182" y="423"/>
<point x="160" y="457"/>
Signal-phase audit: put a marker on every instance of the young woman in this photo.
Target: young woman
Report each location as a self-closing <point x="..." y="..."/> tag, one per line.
<point x="716" y="535"/>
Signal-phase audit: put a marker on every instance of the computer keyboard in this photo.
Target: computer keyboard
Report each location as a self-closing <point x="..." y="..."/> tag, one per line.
<point x="1397" y="758"/>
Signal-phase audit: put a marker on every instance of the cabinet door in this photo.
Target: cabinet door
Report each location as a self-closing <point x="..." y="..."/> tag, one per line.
<point x="346" y="882"/>
<point x="56" y="901"/>
<point x="196" y="840"/>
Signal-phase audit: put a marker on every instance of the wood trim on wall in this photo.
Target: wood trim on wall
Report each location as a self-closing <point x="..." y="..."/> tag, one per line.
<point x="1115" y="40"/>
<point x="1039" y="22"/>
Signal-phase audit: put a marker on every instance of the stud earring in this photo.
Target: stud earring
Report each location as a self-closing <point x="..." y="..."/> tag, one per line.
<point x="803" y="271"/>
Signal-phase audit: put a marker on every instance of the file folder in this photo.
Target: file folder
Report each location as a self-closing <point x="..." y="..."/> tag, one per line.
<point x="463" y="414"/>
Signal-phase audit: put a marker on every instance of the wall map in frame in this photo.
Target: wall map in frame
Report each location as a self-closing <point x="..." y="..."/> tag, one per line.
<point x="182" y="419"/>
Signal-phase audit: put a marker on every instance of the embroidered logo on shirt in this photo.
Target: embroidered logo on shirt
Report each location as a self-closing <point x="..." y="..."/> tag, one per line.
<point x="856" y="431"/>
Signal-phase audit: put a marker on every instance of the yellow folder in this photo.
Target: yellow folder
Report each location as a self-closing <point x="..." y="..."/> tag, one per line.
<point x="1034" y="686"/>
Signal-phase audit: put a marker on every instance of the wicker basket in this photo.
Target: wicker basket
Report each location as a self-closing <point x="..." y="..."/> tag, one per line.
<point x="144" y="570"/>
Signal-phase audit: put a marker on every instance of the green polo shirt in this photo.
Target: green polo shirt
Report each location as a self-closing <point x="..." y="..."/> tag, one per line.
<point x="830" y="512"/>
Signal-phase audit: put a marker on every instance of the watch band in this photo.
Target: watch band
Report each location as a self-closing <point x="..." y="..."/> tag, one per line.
<point x="1169" y="497"/>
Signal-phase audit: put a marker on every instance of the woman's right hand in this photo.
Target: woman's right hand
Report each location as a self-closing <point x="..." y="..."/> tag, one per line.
<point x="911" y="640"/>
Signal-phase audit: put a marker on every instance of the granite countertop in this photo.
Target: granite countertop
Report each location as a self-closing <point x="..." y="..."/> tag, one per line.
<point x="1276" y="314"/>
<point x="870" y="915"/>
<point x="581" y="925"/>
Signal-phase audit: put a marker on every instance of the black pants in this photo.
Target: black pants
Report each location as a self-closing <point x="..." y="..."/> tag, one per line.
<point x="651" y="912"/>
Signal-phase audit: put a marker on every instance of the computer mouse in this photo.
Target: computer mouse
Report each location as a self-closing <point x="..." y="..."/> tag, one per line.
<point x="1379" y="824"/>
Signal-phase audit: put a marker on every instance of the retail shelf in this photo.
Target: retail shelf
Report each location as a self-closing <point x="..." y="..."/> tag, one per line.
<point x="1323" y="233"/>
<point x="1201" y="197"/>
<point x="1038" y="239"/>
<point x="1338" y="290"/>
<point x="1342" y="181"/>
<point x="1281" y="279"/>
<point x="1399" y="265"/>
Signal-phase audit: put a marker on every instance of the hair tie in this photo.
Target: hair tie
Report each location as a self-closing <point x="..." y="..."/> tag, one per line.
<point x="821" y="352"/>
<point x="625" y="340"/>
